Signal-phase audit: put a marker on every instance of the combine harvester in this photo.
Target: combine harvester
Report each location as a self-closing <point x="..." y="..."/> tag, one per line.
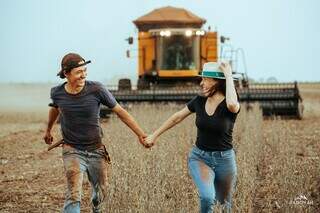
<point x="172" y="48"/>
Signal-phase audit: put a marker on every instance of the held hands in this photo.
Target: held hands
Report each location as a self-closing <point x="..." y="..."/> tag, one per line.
<point x="150" y="140"/>
<point x="142" y="140"/>
<point x="147" y="140"/>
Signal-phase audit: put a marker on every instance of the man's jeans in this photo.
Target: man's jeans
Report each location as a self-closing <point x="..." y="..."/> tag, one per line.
<point x="76" y="163"/>
<point x="214" y="174"/>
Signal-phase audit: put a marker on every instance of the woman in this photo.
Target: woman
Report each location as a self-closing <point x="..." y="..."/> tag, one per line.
<point x="211" y="161"/>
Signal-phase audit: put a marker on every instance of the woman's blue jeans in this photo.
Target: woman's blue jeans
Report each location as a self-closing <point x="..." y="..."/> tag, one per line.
<point x="214" y="174"/>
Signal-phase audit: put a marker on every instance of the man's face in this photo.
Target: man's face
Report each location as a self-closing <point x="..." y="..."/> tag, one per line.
<point x="77" y="76"/>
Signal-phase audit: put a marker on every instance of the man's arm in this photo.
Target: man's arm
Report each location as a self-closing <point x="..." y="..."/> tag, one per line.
<point x="53" y="115"/>
<point x="126" y="118"/>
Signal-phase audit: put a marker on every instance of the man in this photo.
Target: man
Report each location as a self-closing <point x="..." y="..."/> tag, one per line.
<point x="78" y="103"/>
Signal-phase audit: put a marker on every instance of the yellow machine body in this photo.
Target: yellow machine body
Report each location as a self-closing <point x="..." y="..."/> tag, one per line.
<point x="154" y="52"/>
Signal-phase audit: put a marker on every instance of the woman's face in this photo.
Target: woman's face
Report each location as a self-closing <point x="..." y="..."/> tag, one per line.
<point x="207" y="85"/>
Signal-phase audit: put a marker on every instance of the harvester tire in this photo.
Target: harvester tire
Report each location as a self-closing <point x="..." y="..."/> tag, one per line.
<point x="124" y="84"/>
<point x="143" y="83"/>
<point x="300" y="110"/>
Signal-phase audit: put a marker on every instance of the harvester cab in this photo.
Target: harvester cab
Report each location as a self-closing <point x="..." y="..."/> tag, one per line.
<point x="172" y="48"/>
<point x="174" y="55"/>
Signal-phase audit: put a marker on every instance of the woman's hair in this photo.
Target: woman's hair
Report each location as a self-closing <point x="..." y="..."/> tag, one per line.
<point x="219" y="86"/>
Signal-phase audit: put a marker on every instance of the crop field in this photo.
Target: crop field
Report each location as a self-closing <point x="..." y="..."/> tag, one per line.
<point x="277" y="160"/>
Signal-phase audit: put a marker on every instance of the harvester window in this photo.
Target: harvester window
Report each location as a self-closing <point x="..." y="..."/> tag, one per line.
<point x="178" y="52"/>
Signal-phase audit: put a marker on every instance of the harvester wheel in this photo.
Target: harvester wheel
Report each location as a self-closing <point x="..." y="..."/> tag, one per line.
<point x="245" y="83"/>
<point x="143" y="83"/>
<point x="124" y="84"/>
<point x="300" y="110"/>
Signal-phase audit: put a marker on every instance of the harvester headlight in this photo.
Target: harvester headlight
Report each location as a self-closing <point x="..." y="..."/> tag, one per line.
<point x="200" y="32"/>
<point x="162" y="33"/>
<point x="167" y="33"/>
<point x="188" y="33"/>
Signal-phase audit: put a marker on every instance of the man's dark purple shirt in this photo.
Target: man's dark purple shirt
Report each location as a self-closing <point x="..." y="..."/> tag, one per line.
<point x="79" y="113"/>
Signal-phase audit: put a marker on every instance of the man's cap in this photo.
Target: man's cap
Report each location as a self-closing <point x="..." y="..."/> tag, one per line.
<point x="70" y="61"/>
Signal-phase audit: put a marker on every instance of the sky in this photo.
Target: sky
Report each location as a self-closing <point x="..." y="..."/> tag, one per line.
<point x="280" y="38"/>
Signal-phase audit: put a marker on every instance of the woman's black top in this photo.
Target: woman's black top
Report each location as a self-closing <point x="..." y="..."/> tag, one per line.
<point x="214" y="131"/>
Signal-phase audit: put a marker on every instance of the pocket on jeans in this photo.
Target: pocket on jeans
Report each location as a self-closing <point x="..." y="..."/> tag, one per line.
<point x="103" y="151"/>
<point x="198" y="151"/>
<point x="195" y="154"/>
<point x="67" y="149"/>
<point x="99" y="151"/>
<point x="227" y="154"/>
